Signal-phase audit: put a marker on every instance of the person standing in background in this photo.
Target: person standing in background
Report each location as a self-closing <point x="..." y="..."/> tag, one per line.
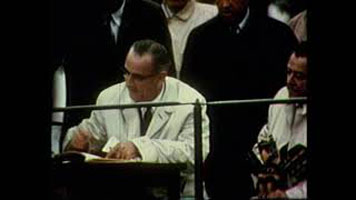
<point x="182" y="17"/>
<point x="96" y="38"/>
<point x="299" y="25"/>
<point x="238" y="54"/>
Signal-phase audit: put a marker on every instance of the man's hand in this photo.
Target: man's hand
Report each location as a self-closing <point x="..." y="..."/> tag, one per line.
<point x="267" y="184"/>
<point x="277" y="194"/>
<point x="124" y="150"/>
<point x="265" y="155"/>
<point x="80" y="141"/>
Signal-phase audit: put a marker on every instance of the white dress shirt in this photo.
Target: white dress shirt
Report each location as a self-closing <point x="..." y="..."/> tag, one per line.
<point x="277" y="13"/>
<point x="116" y="21"/>
<point x="180" y="25"/>
<point x="242" y="24"/>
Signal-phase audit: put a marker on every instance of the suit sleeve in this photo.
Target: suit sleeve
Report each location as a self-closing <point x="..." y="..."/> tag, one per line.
<point x="189" y="59"/>
<point x="263" y="135"/>
<point x="94" y="125"/>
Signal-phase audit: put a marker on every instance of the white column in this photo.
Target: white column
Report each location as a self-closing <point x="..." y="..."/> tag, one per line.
<point x="59" y="100"/>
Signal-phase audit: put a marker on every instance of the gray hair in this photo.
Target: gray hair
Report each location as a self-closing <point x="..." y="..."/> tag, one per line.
<point x="159" y="53"/>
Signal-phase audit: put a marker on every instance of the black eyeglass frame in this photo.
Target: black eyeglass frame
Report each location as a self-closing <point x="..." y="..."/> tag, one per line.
<point x="126" y="72"/>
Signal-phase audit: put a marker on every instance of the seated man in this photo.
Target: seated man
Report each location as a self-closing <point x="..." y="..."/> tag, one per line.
<point x="282" y="142"/>
<point x="170" y="134"/>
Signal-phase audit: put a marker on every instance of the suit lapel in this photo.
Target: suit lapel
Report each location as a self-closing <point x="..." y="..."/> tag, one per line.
<point x="126" y="23"/>
<point x="159" y="119"/>
<point x="105" y="35"/>
<point x="126" y="114"/>
<point x="162" y="114"/>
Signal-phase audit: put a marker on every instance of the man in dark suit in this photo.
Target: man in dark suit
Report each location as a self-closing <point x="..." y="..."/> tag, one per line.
<point x="239" y="54"/>
<point x="98" y="38"/>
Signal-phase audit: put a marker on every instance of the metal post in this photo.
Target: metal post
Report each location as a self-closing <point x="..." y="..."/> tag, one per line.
<point x="198" y="151"/>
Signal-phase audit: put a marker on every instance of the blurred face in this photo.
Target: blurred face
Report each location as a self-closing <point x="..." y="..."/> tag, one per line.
<point x="297" y="76"/>
<point x="232" y="10"/>
<point x="143" y="83"/>
<point x="176" y="5"/>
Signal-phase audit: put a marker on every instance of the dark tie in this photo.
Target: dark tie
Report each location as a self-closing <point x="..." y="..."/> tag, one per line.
<point x="145" y="122"/>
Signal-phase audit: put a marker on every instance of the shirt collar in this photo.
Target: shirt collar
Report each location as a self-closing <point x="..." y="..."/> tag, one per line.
<point x="159" y="97"/>
<point x="301" y="108"/>
<point x="242" y="24"/>
<point x="183" y="14"/>
<point x="118" y="14"/>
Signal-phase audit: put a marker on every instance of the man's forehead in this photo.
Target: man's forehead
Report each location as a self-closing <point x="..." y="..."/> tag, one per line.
<point x="295" y="57"/>
<point x="297" y="67"/>
<point x="301" y="60"/>
<point x="139" y="62"/>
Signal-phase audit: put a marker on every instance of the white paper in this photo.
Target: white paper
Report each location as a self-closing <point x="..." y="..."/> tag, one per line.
<point x="89" y="156"/>
<point x="110" y="144"/>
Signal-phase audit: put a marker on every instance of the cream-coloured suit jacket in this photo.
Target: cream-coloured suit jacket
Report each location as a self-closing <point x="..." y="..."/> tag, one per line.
<point x="170" y="135"/>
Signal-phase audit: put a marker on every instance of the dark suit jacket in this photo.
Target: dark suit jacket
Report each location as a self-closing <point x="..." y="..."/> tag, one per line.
<point x="225" y="66"/>
<point x="93" y="60"/>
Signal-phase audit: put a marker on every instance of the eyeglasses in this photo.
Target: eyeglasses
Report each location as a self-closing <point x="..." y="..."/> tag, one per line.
<point x="138" y="77"/>
<point x="297" y="74"/>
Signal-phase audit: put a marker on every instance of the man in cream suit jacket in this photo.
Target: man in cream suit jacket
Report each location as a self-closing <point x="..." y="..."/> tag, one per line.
<point x="170" y="135"/>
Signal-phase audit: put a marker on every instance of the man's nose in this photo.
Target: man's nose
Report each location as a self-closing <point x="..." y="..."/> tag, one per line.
<point x="290" y="79"/>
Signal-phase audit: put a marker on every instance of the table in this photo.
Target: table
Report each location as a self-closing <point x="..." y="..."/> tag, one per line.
<point x="105" y="180"/>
